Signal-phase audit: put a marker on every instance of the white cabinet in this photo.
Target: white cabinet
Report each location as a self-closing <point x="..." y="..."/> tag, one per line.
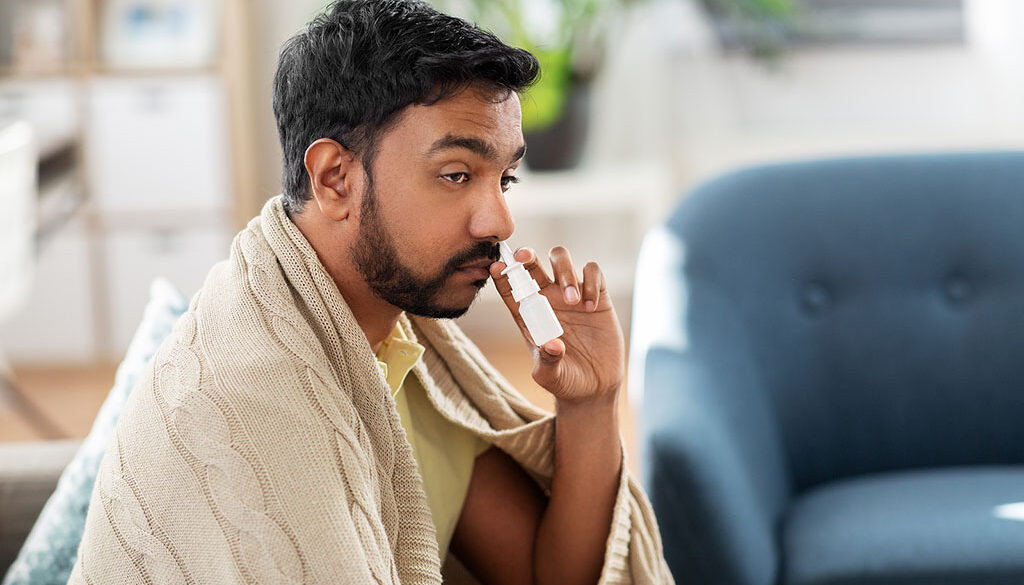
<point x="159" y="180"/>
<point x="157" y="174"/>
<point x="56" y="324"/>
<point x="134" y="258"/>
<point x="76" y="315"/>
<point x="158" y="144"/>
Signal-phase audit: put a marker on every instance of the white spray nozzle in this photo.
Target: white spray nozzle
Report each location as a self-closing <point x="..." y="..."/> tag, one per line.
<point x="534" y="307"/>
<point x="507" y="255"/>
<point x="522" y="284"/>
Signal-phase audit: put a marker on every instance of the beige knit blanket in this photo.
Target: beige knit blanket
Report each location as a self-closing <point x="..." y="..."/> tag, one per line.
<point x="262" y="444"/>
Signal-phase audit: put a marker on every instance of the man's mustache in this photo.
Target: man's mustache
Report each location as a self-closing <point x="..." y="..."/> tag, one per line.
<point x="479" y="251"/>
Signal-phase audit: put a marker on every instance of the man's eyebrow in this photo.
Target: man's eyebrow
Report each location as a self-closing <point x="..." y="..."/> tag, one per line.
<point x="475" y="145"/>
<point x="519" y="153"/>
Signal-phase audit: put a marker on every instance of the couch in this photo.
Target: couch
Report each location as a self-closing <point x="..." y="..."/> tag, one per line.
<point x="28" y="475"/>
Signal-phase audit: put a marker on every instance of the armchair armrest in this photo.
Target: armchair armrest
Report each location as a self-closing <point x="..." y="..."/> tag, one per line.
<point x="714" y="475"/>
<point x="28" y="475"/>
<point x="712" y="459"/>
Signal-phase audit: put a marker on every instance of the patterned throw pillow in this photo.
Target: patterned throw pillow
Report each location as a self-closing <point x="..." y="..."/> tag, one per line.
<point x="50" y="551"/>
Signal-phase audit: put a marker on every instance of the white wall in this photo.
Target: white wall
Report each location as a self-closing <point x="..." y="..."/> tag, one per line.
<point x="274" y="22"/>
<point x="670" y="94"/>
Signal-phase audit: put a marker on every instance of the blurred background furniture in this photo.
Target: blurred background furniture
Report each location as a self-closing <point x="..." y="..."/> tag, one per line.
<point x="18" y="221"/>
<point x="831" y="358"/>
<point x="148" y="104"/>
<point x="18" y="163"/>
<point x="28" y="475"/>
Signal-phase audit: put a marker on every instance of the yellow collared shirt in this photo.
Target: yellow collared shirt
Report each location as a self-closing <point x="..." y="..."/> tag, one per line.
<point x="444" y="451"/>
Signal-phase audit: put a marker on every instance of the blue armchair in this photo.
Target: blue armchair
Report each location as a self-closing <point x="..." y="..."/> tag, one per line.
<point x="832" y="364"/>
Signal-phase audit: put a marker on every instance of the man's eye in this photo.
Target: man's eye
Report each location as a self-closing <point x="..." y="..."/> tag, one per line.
<point x="457" y="178"/>
<point x="507" y="182"/>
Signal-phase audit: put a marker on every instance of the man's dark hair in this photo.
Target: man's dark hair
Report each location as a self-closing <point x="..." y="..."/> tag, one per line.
<point x="361" y="61"/>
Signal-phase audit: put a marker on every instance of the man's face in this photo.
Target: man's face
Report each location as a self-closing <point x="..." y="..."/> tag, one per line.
<point x="434" y="205"/>
<point x="376" y="256"/>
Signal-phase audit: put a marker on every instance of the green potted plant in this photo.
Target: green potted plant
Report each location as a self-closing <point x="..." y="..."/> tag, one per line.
<point x="759" y="27"/>
<point x="568" y="37"/>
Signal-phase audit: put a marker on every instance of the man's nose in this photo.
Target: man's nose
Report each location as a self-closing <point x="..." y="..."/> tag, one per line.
<point x="491" y="218"/>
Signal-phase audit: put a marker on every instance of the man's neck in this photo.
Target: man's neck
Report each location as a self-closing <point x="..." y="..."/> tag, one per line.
<point x="376" y="317"/>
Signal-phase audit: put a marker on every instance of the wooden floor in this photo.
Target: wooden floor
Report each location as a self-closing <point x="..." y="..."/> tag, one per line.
<point x="69" y="397"/>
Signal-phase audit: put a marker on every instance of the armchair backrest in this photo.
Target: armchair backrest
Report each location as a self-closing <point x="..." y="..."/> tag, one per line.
<point x="881" y="300"/>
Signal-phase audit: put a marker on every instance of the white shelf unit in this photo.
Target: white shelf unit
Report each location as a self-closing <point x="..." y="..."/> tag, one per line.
<point x="164" y="168"/>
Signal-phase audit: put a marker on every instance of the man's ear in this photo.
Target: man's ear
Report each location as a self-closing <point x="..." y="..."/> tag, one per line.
<point x="334" y="177"/>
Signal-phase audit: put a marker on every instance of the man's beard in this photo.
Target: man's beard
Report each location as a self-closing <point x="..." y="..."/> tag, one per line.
<point x="377" y="260"/>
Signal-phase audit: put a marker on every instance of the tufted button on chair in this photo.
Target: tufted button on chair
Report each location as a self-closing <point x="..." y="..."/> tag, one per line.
<point x="831" y="365"/>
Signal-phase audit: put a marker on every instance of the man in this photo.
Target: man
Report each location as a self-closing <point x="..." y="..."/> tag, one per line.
<point x="315" y="417"/>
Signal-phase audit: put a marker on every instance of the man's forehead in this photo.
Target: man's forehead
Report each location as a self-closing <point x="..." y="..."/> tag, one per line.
<point x="488" y="127"/>
<point x="484" y="110"/>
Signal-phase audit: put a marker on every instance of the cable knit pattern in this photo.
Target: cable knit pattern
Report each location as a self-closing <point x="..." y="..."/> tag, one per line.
<point x="261" y="444"/>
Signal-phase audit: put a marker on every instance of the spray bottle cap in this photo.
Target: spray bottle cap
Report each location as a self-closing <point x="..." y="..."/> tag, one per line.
<point x="523" y="285"/>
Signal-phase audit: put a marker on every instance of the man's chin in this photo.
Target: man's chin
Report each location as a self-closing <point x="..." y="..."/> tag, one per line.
<point x="435" y="312"/>
<point x="454" y="308"/>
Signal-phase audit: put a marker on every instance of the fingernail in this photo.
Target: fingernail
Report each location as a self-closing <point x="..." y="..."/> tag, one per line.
<point x="572" y="296"/>
<point x="589" y="305"/>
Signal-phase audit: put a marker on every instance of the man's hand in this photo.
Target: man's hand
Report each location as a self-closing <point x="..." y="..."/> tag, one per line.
<point x="507" y="532"/>
<point x="587" y="362"/>
<point x="563" y="541"/>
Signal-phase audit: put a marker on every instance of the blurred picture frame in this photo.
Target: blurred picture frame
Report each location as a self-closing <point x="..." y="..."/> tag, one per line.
<point x="147" y="34"/>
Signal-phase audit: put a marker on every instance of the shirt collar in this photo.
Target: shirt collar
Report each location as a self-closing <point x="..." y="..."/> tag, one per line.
<point x="396" y="357"/>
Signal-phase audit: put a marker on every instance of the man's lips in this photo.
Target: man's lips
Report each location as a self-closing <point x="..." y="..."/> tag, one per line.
<point x="478" y="269"/>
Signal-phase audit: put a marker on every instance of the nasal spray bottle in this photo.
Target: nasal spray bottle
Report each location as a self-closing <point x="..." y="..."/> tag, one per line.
<point x="533" y="307"/>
